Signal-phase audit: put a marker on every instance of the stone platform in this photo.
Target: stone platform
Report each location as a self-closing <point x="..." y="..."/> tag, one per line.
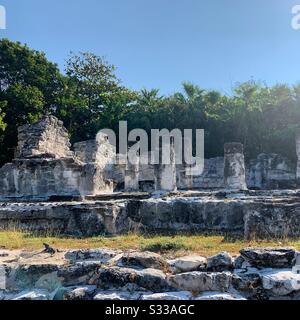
<point x="248" y="214"/>
<point x="103" y="274"/>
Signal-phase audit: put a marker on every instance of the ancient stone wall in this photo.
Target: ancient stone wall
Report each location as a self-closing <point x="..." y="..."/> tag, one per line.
<point x="45" y="166"/>
<point x="46" y="138"/>
<point x="271" y="171"/>
<point x="212" y="176"/>
<point x="105" y="274"/>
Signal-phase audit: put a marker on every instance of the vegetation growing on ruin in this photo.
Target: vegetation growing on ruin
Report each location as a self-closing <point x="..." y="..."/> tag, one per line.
<point x="87" y="96"/>
<point x="205" y="245"/>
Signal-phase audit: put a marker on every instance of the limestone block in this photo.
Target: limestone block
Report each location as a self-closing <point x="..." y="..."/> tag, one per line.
<point x="234" y="167"/>
<point x="45" y="138"/>
<point x="201" y="281"/>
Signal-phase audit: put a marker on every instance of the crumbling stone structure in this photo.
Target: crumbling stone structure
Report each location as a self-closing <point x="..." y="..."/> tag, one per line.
<point x="270" y="172"/>
<point x="46" y="139"/>
<point x="234" y="167"/>
<point x="46" y="169"/>
<point x="45" y="166"/>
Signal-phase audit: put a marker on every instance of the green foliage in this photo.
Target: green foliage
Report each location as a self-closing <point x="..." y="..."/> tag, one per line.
<point x="29" y="86"/>
<point x="89" y="97"/>
<point x="93" y="97"/>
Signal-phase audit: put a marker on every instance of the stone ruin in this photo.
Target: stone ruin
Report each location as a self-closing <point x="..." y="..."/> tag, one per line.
<point x="44" y="165"/>
<point x="52" y="188"/>
<point x="83" y="191"/>
<point x="105" y="274"/>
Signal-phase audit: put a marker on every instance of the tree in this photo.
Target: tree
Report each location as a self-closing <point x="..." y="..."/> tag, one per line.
<point x="29" y="88"/>
<point x="93" y="97"/>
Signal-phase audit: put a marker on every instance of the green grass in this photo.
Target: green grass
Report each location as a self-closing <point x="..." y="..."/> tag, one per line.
<point x="205" y="245"/>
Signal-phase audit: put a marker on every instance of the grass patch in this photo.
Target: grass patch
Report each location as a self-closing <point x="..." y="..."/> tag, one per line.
<point x="205" y="245"/>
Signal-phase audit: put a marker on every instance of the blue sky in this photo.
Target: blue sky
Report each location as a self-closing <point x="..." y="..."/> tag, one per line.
<point x="161" y="43"/>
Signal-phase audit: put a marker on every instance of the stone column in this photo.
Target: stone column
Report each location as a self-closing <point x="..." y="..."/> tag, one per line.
<point x="234" y="167"/>
<point x="131" y="183"/>
<point x="165" y="174"/>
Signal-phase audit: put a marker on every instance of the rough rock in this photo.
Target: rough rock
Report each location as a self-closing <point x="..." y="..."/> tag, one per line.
<point x="143" y="259"/>
<point x="180" y="295"/>
<point x="81" y="293"/>
<point x="49" y="282"/>
<point x="33" y="295"/>
<point x="248" y="283"/>
<point x="201" y="281"/>
<point x="269" y="257"/>
<point x="117" y="295"/>
<point x="280" y="282"/>
<point x="220" y="262"/>
<point x="27" y="276"/>
<point x="188" y="263"/>
<point x="78" y="274"/>
<point x="219" y="296"/>
<point x="47" y="137"/>
<point x="151" y="279"/>
<point x="240" y="262"/>
<point x="99" y="255"/>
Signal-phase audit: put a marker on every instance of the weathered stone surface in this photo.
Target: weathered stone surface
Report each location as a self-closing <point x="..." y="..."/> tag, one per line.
<point x="254" y="214"/>
<point x="271" y="171"/>
<point x="117" y="295"/>
<point x="269" y="257"/>
<point x="78" y="274"/>
<point x="98" y="151"/>
<point x="143" y="259"/>
<point x="240" y="263"/>
<point x="280" y="282"/>
<point x="81" y="293"/>
<point x="220" y="262"/>
<point x="46" y="138"/>
<point x="272" y="220"/>
<point x="100" y="255"/>
<point x="49" y="282"/>
<point x="32" y="295"/>
<point x="79" y="219"/>
<point x="151" y="279"/>
<point x="187" y="214"/>
<point x="212" y="176"/>
<point x="85" y="279"/>
<point x="219" y="296"/>
<point x="180" y="295"/>
<point x="266" y="172"/>
<point x="201" y="281"/>
<point x="188" y="263"/>
<point x="234" y="167"/>
<point x="248" y="283"/>
<point x="45" y="167"/>
<point x="27" y="276"/>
